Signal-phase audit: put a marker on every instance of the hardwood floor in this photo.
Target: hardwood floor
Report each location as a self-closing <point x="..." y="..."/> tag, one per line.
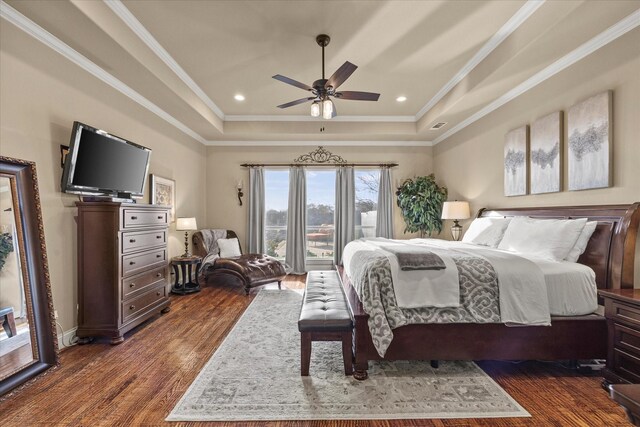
<point x="137" y="383"/>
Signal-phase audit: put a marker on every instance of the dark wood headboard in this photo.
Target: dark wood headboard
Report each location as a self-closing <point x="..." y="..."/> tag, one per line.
<point x="612" y="248"/>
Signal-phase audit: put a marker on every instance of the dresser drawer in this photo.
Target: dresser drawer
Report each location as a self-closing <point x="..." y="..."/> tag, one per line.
<point x="136" y="306"/>
<point x="132" y="218"/>
<point x="626" y="339"/>
<point x="135" y="240"/>
<point x="137" y="263"/>
<point x="620" y="312"/>
<point x="140" y="283"/>
<point x="626" y="365"/>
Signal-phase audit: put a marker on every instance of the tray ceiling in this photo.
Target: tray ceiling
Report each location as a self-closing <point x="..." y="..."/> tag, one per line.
<point x="189" y="58"/>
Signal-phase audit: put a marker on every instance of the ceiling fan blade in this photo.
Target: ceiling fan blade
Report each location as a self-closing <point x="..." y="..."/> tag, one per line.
<point x="341" y="75"/>
<point x="357" y="96"/>
<point x="292" y="82"/>
<point x="296" y="102"/>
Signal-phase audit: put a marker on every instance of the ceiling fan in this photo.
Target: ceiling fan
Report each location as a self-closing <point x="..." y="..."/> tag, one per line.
<point x="324" y="89"/>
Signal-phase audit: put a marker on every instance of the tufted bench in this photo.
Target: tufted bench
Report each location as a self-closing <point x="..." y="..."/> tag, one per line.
<point x="325" y="316"/>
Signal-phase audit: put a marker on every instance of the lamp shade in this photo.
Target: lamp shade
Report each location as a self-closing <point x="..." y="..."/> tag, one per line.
<point x="455" y="210"/>
<point x="185" y="224"/>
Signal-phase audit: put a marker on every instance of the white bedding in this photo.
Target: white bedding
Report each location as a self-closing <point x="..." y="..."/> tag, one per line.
<point x="417" y="288"/>
<point x="571" y="287"/>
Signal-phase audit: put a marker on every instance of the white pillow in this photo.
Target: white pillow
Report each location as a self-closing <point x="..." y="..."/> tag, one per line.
<point x="583" y="240"/>
<point x="486" y="231"/>
<point x="542" y="238"/>
<point x="229" y="248"/>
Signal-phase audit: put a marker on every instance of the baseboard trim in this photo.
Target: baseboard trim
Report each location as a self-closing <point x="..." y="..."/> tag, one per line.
<point x="66" y="337"/>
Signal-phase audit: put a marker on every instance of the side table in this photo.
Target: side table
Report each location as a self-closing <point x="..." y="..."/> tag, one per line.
<point x="183" y="284"/>
<point x="622" y="310"/>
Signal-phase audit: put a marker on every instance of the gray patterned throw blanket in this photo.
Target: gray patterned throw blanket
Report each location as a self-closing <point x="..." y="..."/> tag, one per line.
<point x="481" y="294"/>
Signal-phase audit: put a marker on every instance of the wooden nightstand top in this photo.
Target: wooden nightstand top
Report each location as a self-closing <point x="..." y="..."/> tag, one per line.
<point x="631" y="296"/>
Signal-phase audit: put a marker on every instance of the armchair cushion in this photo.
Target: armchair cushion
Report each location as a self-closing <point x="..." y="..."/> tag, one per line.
<point x="229" y="248"/>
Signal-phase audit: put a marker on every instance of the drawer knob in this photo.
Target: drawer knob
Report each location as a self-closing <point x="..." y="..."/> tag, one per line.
<point x="158" y="293"/>
<point x="158" y="256"/>
<point x="132" y="285"/>
<point x="134" y="218"/>
<point x="132" y="240"/>
<point x="132" y="307"/>
<point x="158" y="274"/>
<point x="158" y="237"/>
<point x="160" y="217"/>
<point x="132" y="263"/>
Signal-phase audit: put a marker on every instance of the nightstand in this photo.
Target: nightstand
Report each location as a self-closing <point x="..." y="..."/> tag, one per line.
<point x="622" y="310"/>
<point x="184" y="285"/>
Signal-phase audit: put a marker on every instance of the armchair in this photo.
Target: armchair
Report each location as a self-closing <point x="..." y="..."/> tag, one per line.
<point x="250" y="269"/>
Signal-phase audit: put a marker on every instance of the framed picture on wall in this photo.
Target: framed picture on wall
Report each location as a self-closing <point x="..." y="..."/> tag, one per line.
<point x="590" y="139"/>
<point x="545" y="156"/>
<point x="162" y="192"/>
<point x="516" y="145"/>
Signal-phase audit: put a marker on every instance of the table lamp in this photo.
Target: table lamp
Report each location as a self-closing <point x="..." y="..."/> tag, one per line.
<point x="456" y="211"/>
<point x="186" y="225"/>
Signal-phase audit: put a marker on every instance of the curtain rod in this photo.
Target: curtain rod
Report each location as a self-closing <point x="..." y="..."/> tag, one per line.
<point x="380" y="165"/>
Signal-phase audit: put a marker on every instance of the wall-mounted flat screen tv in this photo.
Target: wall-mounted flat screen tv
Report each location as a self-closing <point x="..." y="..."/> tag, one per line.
<point x="101" y="164"/>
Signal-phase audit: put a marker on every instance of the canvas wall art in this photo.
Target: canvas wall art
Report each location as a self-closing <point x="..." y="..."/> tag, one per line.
<point x="546" y="154"/>
<point x="163" y="193"/>
<point x="590" y="138"/>
<point x="515" y="161"/>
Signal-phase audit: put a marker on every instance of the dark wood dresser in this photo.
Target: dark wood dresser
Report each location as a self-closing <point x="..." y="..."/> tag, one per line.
<point x="122" y="267"/>
<point x="622" y="310"/>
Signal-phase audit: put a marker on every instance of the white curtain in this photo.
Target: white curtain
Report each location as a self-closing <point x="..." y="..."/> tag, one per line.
<point x="297" y="221"/>
<point x="384" y="222"/>
<point x="345" y="211"/>
<point x="256" y="210"/>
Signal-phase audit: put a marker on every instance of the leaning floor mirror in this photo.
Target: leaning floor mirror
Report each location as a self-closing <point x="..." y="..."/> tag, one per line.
<point x="28" y="339"/>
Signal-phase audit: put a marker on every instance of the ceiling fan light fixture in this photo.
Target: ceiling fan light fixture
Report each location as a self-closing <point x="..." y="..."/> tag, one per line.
<point x="328" y="110"/>
<point x="315" y="109"/>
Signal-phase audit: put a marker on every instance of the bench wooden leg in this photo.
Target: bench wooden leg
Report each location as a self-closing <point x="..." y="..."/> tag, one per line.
<point x="347" y="352"/>
<point x="305" y="353"/>
<point x="9" y="325"/>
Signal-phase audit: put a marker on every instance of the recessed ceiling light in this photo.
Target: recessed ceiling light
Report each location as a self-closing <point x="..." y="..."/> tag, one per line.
<point x="401" y="98"/>
<point x="238" y="97"/>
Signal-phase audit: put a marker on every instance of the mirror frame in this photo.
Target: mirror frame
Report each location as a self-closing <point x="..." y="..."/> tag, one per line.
<point x="35" y="270"/>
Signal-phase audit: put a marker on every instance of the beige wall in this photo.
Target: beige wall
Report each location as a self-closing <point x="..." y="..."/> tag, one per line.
<point x="42" y="94"/>
<point x="224" y="171"/>
<point x="470" y="162"/>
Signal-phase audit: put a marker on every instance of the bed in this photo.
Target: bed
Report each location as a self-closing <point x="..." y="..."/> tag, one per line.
<point x="610" y="254"/>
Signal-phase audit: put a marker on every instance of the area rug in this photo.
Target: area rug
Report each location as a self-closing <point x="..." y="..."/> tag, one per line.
<point x="255" y="376"/>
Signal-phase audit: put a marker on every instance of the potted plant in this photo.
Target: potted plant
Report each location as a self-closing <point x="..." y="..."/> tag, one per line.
<point x="420" y="200"/>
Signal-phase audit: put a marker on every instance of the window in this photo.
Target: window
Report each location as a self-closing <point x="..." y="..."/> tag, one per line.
<point x="367" y="183"/>
<point x="321" y="203"/>
<point x="276" y="199"/>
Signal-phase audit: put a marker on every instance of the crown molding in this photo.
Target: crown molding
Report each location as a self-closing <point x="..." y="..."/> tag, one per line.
<point x="324" y="143"/>
<point x="300" y="118"/>
<point x="136" y="26"/>
<point x="14" y="17"/>
<point x="607" y="36"/>
<point x="505" y="31"/>
<point x="11" y="15"/>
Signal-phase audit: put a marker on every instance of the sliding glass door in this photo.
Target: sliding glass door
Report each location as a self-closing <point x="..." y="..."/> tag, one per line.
<point x="321" y="203"/>
<point x="276" y="189"/>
